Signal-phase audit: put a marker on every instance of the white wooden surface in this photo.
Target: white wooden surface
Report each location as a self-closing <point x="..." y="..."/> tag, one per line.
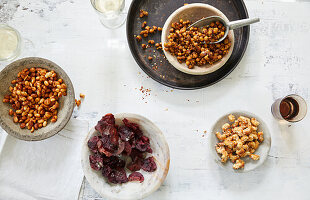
<point x="100" y="65"/>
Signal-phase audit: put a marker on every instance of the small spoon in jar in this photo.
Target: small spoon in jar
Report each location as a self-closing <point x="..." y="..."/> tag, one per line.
<point x="229" y="26"/>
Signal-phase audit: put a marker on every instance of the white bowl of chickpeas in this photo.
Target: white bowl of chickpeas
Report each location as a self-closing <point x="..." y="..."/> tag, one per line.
<point x="240" y="141"/>
<point x="188" y="50"/>
<point x="37" y="99"/>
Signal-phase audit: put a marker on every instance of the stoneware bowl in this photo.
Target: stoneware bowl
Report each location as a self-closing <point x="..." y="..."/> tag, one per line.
<point x="131" y="190"/>
<point x="194" y="12"/>
<point x="262" y="150"/>
<point x="66" y="106"/>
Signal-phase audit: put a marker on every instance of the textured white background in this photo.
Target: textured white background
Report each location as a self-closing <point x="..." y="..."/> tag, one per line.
<point x="100" y="65"/>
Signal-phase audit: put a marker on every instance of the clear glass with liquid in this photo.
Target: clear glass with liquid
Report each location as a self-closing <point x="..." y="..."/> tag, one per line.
<point x="110" y="12"/>
<point x="291" y="108"/>
<point x="10" y="42"/>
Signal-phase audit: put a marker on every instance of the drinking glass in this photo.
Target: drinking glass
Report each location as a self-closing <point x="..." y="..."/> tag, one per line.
<point x="10" y="42"/>
<point x="110" y="12"/>
<point x="291" y="108"/>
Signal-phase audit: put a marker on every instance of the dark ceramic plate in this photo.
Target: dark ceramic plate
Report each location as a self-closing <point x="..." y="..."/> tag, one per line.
<point x="160" y="69"/>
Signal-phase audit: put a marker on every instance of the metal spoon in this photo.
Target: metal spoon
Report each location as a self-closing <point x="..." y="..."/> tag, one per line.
<point x="229" y="26"/>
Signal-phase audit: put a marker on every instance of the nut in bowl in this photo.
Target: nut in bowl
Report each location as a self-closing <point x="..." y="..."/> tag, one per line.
<point x="240" y="141"/>
<point x="37" y="99"/>
<point x="195" y="56"/>
<point x="142" y="165"/>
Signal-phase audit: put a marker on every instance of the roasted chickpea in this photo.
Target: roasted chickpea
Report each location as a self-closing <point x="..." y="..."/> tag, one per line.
<point x="193" y="46"/>
<point x="139" y="38"/>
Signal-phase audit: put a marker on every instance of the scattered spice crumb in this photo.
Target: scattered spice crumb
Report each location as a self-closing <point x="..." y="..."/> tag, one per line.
<point x="145" y="92"/>
<point x="82" y="95"/>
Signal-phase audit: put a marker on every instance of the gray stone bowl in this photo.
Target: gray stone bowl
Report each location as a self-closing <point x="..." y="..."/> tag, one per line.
<point x="66" y="106"/>
<point x="194" y="12"/>
<point x="131" y="190"/>
<point x="262" y="150"/>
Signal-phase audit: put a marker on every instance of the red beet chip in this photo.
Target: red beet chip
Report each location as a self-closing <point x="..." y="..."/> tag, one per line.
<point x="96" y="161"/>
<point x="149" y="149"/>
<point x="133" y="126"/>
<point x="106" y="170"/>
<point x="120" y="149"/>
<point x="104" y="146"/>
<point x="127" y="149"/>
<point x="142" y="144"/>
<point x="109" y="118"/>
<point x="118" y="176"/>
<point x="149" y="164"/>
<point x="113" y="136"/>
<point x="136" y="153"/>
<point x="136" y="176"/>
<point x="136" y="165"/>
<point x="92" y="143"/>
<point x="106" y="143"/>
<point x="145" y="139"/>
<point x="105" y="122"/>
<point x="113" y="162"/>
<point x="125" y="133"/>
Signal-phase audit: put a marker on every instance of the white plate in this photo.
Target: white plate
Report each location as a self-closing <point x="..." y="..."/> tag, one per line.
<point x="262" y="150"/>
<point x="131" y="190"/>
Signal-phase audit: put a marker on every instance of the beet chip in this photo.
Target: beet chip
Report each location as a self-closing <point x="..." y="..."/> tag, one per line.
<point x="143" y="144"/>
<point x="136" y="176"/>
<point x="125" y="133"/>
<point x="92" y="143"/>
<point x="96" y="161"/>
<point x="136" y="165"/>
<point x="136" y="153"/>
<point x="113" y="136"/>
<point x="106" y="121"/>
<point x="118" y="176"/>
<point x="149" y="164"/>
<point x="113" y="161"/>
<point x="133" y="126"/>
<point x="106" y="170"/>
<point x="127" y="149"/>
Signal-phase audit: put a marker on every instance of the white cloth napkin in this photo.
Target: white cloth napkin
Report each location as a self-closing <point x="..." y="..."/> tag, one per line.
<point x="48" y="169"/>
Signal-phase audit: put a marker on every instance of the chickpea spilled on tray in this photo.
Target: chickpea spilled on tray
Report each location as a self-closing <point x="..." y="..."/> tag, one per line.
<point x="34" y="97"/>
<point x="192" y="46"/>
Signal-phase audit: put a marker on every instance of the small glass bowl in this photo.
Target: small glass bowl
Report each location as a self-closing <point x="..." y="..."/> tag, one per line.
<point x="19" y="40"/>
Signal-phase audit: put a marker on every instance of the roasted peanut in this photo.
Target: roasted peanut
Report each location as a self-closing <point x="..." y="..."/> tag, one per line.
<point x="82" y="95"/>
<point x="34" y="98"/>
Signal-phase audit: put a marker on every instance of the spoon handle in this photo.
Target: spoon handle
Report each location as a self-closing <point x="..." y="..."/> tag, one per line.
<point x="241" y="23"/>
